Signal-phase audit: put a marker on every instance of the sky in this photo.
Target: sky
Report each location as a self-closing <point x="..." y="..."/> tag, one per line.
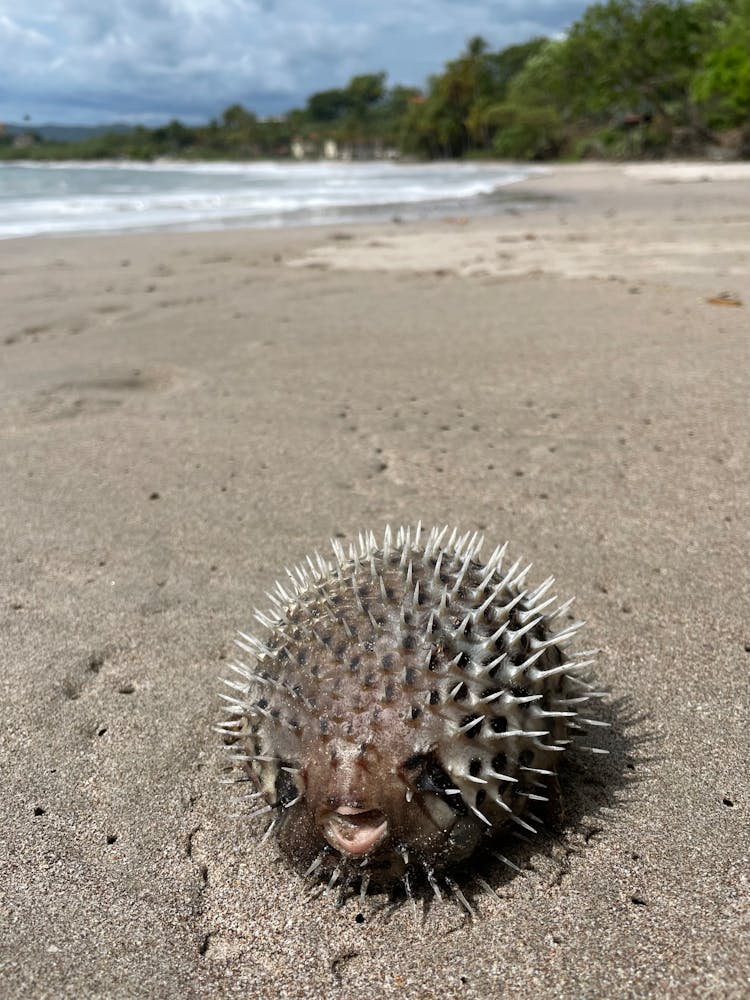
<point x="105" y="61"/>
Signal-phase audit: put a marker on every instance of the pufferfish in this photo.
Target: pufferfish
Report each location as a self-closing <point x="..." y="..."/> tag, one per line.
<point x="407" y="702"/>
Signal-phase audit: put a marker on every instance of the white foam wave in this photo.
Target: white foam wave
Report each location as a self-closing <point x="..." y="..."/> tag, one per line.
<point x="38" y="198"/>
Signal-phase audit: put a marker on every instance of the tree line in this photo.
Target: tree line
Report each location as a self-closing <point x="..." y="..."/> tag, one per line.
<point x="629" y="78"/>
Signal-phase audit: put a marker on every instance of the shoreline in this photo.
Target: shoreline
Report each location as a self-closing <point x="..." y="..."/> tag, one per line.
<point x="510" y="195"/>
<point x="183" y="414"/>
<point x="680" y="223"/>
<point x="207" y="196"/>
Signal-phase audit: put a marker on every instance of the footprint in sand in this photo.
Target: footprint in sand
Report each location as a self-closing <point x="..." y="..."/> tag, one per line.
<point x="87" y="394"/>
<point x="27" y="333"/>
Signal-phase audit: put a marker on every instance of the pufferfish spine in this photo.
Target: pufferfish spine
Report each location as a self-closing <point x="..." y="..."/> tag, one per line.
<point x="407" y="700"/>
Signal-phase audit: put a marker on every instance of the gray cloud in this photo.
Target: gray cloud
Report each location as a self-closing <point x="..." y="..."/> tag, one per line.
<point x="150" y="60"/>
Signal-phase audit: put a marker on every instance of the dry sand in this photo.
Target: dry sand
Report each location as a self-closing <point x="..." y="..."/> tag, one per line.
<point x="183" y="414"/>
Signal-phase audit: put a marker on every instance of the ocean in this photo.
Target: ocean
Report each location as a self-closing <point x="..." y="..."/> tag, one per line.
<point x="111" y="197"/>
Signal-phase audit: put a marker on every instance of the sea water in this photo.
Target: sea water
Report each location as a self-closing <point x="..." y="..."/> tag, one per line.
<point x="74" y="197"/>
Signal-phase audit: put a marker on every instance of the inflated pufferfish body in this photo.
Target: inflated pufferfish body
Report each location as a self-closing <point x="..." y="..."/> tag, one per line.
<point x="407" y="699"/>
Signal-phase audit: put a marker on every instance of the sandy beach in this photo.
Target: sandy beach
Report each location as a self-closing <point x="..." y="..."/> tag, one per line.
<point x="183" y="414"/>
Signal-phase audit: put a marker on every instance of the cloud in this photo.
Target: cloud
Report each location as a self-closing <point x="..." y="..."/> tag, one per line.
<point x="151" y="60"/>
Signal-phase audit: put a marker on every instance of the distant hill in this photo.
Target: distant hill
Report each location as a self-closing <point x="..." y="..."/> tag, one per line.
<point x="66" y="133"/>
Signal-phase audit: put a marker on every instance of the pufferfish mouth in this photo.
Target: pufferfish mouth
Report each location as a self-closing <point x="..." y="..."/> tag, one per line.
<point x="355" y="831"/>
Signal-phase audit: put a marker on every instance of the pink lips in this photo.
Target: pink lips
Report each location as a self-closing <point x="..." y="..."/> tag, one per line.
<point x="355" y="831"/>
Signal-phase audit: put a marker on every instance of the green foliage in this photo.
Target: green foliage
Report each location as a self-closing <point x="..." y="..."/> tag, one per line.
<point x="721" y="85"/>
<point x="353" y="103"/>
<point x="365" y="91"/>
<point x="621" y="56"/>
<point x="615" y="143"/>
<point x="527" y="132"/>
<point x="327" y="106"/>
<point x="543" y="79"/>
<point x="631" y="78"/>
<point x="504" y="66"/>
<point x="681" y="67"/>
<point x="455" y="117"/>
<point x="632" y="55"/>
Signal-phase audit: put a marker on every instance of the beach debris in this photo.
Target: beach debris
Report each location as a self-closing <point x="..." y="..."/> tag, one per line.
<point x="405" y="703"/>
<point x="725" y="299"/>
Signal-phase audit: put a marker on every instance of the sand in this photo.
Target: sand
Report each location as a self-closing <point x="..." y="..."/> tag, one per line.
<point x="183" y="414"/>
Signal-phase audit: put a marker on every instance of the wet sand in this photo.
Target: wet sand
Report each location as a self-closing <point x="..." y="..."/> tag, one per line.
<point x="184" y="414"/>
